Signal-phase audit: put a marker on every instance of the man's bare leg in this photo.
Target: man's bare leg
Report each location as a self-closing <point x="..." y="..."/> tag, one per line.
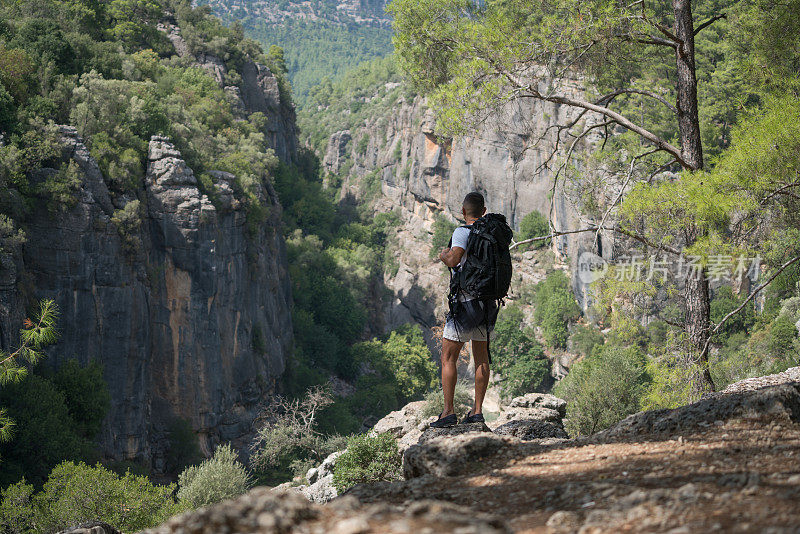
<point x="480" y="353"/>
<point x="450" y="351"/>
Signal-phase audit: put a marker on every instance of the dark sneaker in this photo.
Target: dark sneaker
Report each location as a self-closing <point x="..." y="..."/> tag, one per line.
<point x="472" y="418"/>
<point x="444" y="422"/>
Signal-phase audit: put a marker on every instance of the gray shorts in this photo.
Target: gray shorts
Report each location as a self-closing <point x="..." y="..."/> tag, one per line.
<point x="462" y="335"/>
<point x="470" y="322"/>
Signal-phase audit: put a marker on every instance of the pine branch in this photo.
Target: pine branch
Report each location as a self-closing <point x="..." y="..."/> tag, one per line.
<point x="748" y="299"/>
<point x="709" y="22"/>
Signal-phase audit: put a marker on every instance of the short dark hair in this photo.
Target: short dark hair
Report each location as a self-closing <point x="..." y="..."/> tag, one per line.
<point x="473" y="204"/>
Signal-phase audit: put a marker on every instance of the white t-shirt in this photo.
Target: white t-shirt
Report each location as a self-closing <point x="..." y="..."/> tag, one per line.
<point x="460" y="237"/>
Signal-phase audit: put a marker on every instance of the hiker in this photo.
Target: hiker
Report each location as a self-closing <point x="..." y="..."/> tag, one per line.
<point x="480" y="274"/>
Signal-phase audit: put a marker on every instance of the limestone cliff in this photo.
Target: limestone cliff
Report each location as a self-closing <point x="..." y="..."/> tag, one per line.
<point x="185" y="304"/>
<point x="187" y="311"/>
<point x="422" y="174"/>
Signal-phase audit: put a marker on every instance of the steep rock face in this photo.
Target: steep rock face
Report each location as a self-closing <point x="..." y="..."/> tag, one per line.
<point x="423" y="175"/>
<point x="187" y="311"/>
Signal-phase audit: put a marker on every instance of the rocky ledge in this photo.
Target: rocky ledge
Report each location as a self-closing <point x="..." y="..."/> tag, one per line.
<point x="266" y="512"/>
<point x="729" y="463"/>
<point x="536" y="417"/>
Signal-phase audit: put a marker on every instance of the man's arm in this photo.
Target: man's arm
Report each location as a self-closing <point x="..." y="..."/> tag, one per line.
<point x="451" y="256"/>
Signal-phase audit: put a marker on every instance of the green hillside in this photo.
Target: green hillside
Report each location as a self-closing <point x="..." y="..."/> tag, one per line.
<point x="319" y="40"/>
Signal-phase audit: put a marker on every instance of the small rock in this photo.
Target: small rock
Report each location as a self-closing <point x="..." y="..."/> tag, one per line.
<point x="353" y="525"/>
<point x="564" y="521"/>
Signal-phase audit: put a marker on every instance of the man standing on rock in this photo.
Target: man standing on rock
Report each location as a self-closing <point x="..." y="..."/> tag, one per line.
<point x="480" y="275"/>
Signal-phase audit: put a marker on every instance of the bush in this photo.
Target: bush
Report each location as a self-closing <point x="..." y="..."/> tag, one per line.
<point x="402" y="370"/>
<point x="184" y="450"/>
<point x="128" y="221"/>
<point x="724" y="302"/>
<point x="434" y="401"/>
<point x="442" y="232"/>
<point x="585" y="338"/>
<point x="782" y="334"/>
<point x="603" y="389"/>
<point x="367" y="459"/>
<point x="16" y="512"/>
<point x="671" y="383"/>
<point x="534" y="224"/>
<point x="289" y="442"/>
<point x="78" y="493"/>
<point x="525" y="375"/>
<point x="86" y="395"/>
<point x="517" y="356"/>
<point x="216" y="479"/>
<point x="45" y="432"/>
<point x="555" y="308"/>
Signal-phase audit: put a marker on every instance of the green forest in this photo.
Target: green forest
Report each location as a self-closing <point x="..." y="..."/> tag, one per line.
<point x="320" y="41"/>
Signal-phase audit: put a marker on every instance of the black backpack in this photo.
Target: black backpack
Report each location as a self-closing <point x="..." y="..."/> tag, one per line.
<point x="486" y="273"/>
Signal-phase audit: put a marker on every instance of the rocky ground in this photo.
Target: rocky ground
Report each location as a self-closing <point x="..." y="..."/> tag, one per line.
<point x="729" y="463"/>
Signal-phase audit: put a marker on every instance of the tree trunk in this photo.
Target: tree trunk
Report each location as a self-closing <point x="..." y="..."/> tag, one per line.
<point x="688" y="118"/>
<point x="698" y="322"/>
<point x="698" y="305"/>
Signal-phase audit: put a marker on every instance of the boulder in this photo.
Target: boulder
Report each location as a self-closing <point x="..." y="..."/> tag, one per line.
<point x="261" y="511"/>
<point x="406" y="424"/>
<point x="530" y="429"/>
<point x="402" y="421"/>
<point x="777" y="403"/>
<point x="450" y="455"/>
<point x="320" y="488"/>
<point x="533" y="407"/>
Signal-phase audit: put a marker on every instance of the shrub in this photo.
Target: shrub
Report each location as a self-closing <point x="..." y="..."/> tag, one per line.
<point x="8" y="110"/>
<point x="782" y="334"/>
<point x="128" y="221"/>
<point x="442" y="232"/>
<point x="363" y="143"/>
<point x="555" y="308"/>
<point x="184" y="450"/>
<point x="61" y="187"/>
<point x="585" y="338"/>
<point x="434" y="401"/>
<point x="518" y="357"/>
<point x="525" y="375"/>
<point x="534" y="224"/>
<point x="724" y="302"/>
<point x="603" y="389"/>
<point x="289" y="441"/>
<point x="402" y="363"/>
<point x="45" y="433"/>
<point x="367" y="459"/>
<point x="86" y="394"/>
<point x="671" y="383"/>
<point x="78" y="493"/>
<point x="216" y="479"/>
<point x="16" y="512"/>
